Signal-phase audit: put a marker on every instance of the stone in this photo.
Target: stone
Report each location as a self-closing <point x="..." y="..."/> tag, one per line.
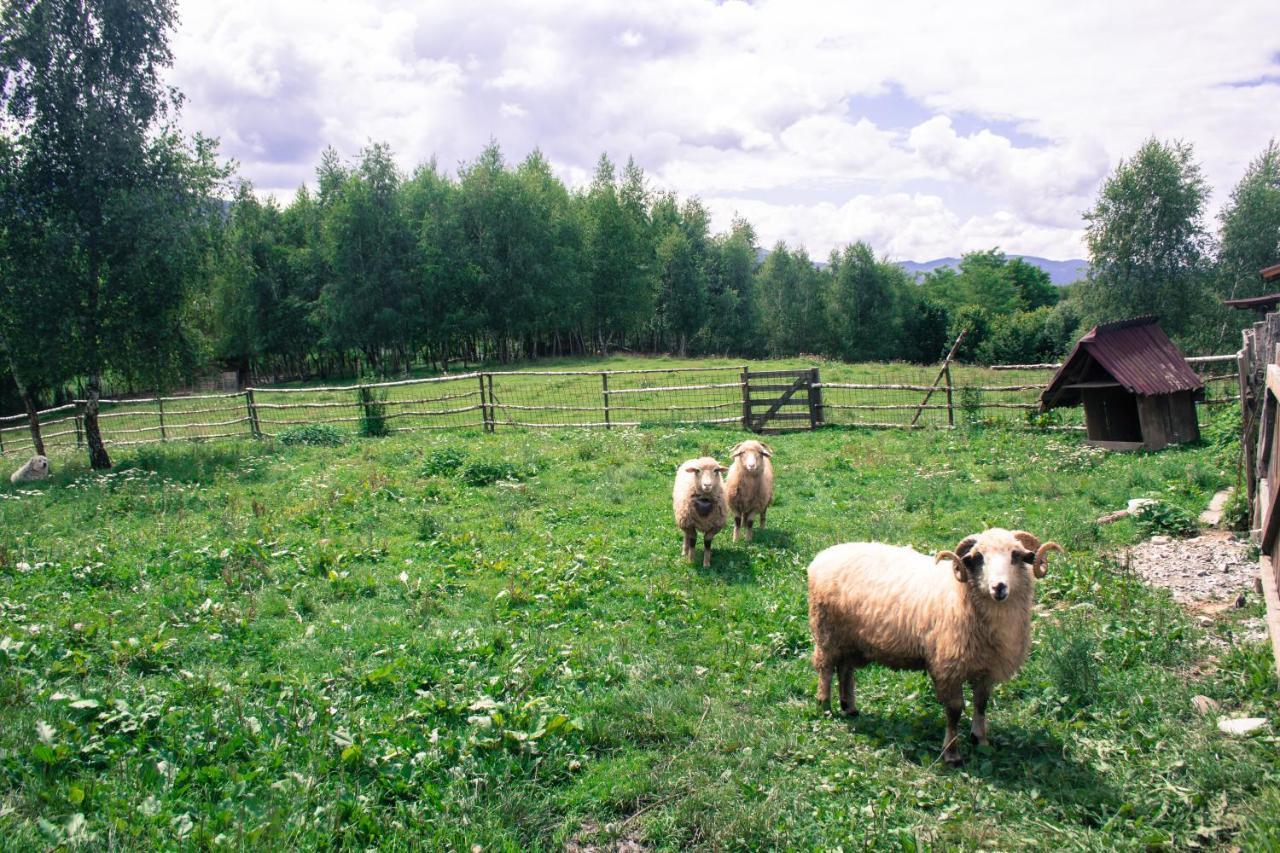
<point x="1241" y="726"/>
<point x="1159" y="540"/>
<point x="1203" y="705"/>
<point x="1206" y="622"/>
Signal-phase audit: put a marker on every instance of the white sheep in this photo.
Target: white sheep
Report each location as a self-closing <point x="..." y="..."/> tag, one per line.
<point x="749" y="486"/>
<point x="35" y="468"/>
<point x="870" y="602"/>
<point x="699" y="504"/>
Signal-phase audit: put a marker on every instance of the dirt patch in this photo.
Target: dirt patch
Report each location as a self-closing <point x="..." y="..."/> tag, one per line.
<point x="1207" y="574"/>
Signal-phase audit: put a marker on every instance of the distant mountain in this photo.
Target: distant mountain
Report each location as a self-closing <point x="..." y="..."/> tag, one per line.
<point x="1060" y="272"/>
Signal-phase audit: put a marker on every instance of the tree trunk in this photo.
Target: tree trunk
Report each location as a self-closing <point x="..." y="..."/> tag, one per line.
<point x="33" y="419"/>
<point x="98" y="458"/>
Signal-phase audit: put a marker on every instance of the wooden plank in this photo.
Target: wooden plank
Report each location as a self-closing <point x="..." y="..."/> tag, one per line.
<point x="1270" y="524"/>
<point x="774" y="386"/>
<point x="798" y="373"/>
<point x="1115" y="445"/>
<point x="946" y="362"/>
<point x="789" y="416"/>
<point x="815" y="399"/>
<point x="1271" y="594"/>
<point x="784" y="400"/>
<point x="773" y="410"/>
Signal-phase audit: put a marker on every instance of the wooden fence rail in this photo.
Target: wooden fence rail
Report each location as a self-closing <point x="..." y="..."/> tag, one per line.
<point x="766" y="400"/>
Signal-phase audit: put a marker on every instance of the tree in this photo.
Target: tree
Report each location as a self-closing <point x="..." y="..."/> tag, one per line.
<point x="1146" y="239"/>
<point x="1250" y="237"/>
<point x="617" y="253"/>
<point x="127" y="199"/>
<point x="865" y="300"/>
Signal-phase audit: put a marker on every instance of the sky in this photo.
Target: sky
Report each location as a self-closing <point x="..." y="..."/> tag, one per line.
<point x="924" y="129"/>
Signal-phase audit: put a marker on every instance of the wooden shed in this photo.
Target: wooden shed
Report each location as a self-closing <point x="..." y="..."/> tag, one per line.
<point x="1137" y="389"/>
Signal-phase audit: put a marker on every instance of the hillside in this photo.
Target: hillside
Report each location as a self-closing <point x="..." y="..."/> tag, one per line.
<point x="1060" y="272"/>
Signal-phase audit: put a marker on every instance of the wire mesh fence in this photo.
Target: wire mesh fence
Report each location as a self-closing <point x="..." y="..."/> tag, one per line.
<point x="867" y="395"/>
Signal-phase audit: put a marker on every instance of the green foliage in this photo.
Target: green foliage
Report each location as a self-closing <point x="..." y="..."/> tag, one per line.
<point x="443" y="462"/>
<point x="317" y="435"/>
<point x="485" y="472"/>
<point x="1161" y="517"/>
<point x="1071" y="660"/>
<point x="373" y="411"/>
<point x="1148" y="250"/>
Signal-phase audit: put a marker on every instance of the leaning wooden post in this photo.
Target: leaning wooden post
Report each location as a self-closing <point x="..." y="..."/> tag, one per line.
<point x="493" y="414"/>
<point x="255" y="428"/>
<point x="484" y="412"/>
<point x="604" y="387"/>
<point x="746" y="398"/>
<point x="945" y="364"/>
<point x="78" y="419"/>
<point x="160" y="414"/>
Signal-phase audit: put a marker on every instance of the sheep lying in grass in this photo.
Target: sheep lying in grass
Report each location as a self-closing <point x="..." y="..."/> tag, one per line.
<point x="699" y="504"/>
<point x="35" y="468"/>
<point x="749" y="486"/>
<point x="874" y="603"/>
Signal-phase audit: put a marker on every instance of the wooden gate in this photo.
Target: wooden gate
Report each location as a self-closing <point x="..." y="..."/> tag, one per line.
<point x="781" y="400"/>
<point x="1259" y="362"/>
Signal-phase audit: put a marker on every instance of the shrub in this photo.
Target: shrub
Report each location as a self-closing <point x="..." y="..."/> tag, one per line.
<point x="443" y="462"/>
<point x="1073" y="667"/>
<point x="1161" y="517"/>
<point x="318" y="435"/>
<point x="483" y="472"/>
<point x="1235" y="515"/>
<point x="373" y="412"/>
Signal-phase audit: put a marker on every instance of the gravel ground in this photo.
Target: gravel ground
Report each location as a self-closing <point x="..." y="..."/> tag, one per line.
<point x="1206" y="573"/>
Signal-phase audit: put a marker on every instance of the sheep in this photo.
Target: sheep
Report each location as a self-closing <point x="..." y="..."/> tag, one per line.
<point x="35" y="468"/>
<point x="699" y="504"/>
<point x="876" y="603"/>
<point x="749" y="486"/>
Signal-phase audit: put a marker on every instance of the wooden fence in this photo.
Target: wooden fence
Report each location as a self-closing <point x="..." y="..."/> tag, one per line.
<point x="758" y="399"/>
<point x="1259" y="372"/>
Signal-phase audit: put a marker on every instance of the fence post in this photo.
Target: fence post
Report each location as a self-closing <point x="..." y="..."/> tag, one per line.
<point x="604" y="386"/>
<point x="816" y="416"/>
<point x="493" y="416"/>
<point x="78" y="420"/>
<point x="746" y="398"/>
<point x="254" y="428"/>
<point x="1" y="441"/>
<point x="951" y="409"/>
<point x="160" y="413"/>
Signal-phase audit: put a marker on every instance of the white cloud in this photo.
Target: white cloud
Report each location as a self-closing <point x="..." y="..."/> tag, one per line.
<point x="1011" y="113"/>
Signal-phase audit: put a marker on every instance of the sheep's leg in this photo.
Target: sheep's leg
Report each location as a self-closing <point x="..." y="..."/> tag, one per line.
<point x="706" y="550"/>
<point x="823" y="665"/>
<point x="690" y="544"/>
<point x="749" y="523"/>
<point x="981" y="694"/>
<point x="762" y="513"/>
<point x="952" y="698"/>
<point x="848" y="684"/>
<point x="737" y="523"/>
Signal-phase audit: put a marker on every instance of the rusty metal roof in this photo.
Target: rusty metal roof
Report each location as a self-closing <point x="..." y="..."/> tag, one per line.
<point x="1257" y="303"/>
<point x="1271" y="272"/>
<point x="1135" y="353"/>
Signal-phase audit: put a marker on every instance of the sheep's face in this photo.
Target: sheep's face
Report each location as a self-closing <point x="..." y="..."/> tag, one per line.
<point x="39" y="465"/>
<point x="751" y="454"/>
<point x="1000" y="563"/>
<point x="706" y="474"/>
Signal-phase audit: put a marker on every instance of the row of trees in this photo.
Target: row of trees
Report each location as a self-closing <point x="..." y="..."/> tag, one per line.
<point x="128" y="254"/>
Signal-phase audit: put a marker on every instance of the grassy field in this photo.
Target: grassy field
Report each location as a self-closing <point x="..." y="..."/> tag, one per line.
<point x="448" y="639"/>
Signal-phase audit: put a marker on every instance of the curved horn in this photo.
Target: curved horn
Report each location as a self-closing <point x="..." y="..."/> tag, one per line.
<point x="1042" y="555"/>
<point x="966" y="544"/>
<point x="1028" y="540"/>
<point x="957" y="564"/>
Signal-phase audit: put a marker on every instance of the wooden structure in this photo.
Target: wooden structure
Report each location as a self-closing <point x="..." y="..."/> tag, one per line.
<point x="1137" y="389"/>
<point x="791" y="398"/>
<point x="1259" y="359"/>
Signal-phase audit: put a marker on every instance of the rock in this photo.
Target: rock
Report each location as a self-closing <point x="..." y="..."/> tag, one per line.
<point x="1206" y="622"/>
<point x="1138" y="503"/>
<point x="1212" y="516"/>
<point x="1203" y="705"/>
<point x="1241" y="726"/>
<point x="1159" y="540"/>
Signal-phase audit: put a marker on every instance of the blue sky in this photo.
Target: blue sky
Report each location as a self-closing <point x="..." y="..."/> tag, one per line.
<point x="924" y="129"/>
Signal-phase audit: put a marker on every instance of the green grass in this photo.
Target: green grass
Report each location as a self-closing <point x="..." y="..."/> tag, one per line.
<point x="454" y="638"/>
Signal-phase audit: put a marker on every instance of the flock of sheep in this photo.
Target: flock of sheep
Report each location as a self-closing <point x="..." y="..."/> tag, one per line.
<point x="876" y="603"/>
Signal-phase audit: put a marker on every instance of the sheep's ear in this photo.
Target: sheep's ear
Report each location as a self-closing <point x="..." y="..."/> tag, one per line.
<point x="691" y="469"/>
<point x="737" y="450"/>
<point x="958" y="567"/>
<point x="1027" y="540"/>
<point x="766" y="449"/>
<point x="723" y="470"/>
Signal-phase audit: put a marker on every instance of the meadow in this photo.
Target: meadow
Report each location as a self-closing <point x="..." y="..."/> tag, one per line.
<point x="454" y="638"/>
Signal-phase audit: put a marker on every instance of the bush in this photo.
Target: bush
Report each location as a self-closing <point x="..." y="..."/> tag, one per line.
<point x="1073" y="667"/>
<point x="373" y="412"/>
<point x="443" y="462"/>
<point x="318" y="435"/>
<point x="484" y="472"/>
<point x="1166" y="518"/>
<point x="1235" y="515"/>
